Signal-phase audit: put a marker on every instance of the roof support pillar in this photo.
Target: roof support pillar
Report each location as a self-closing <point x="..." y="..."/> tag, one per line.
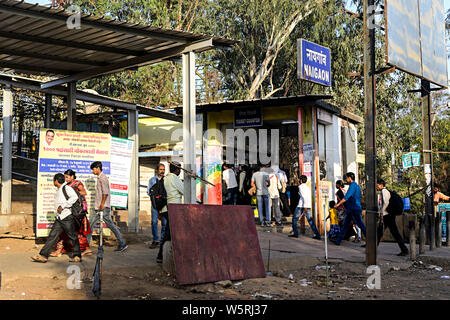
<point x="189" y="117"/>
<point x="72" y="106"/>
<point x="133" y="192"/>
<point x="48" y="110"/>
<point x="7" y="150"/>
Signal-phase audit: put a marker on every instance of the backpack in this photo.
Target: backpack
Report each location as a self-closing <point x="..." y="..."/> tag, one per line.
<point x="395" y="206"/>
<point x="79" y="207"/>
<point x="158" y="195"/>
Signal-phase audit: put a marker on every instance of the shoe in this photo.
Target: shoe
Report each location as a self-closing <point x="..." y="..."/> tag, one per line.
<point x="75" y="259"/>
<point x="262" y="224"/>
<point x="269" y="224"/>
<point x="317" y="238"/>
<point x="292" y="236"/>
<point x="155" y="244"/>
<point x="56" y="254"/>
<point x="158" y="260"/>
<point x="87" y="252"/>
<point x="39" y="258"/>
<point x="333" y="240"/>
<point x="121" y="248"/>
<point x="278" y="223"/>
<point x="363" y="245"/>
<point x="403" y="253"/>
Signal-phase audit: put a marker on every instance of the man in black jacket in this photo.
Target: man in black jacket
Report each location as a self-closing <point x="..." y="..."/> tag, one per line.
<point x="388" y="218"/>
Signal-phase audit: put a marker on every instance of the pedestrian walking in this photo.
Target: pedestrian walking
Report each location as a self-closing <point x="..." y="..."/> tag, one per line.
<point x="304" y="208"/>
<point x="65" y="221"/>
<point x="275" y="186"/>
<point x="284" y="199"/>
<point x="174" y="190"/>
<point x="103" y="203"/>
<point x="242" y="194"/>
<point x="340" y="194"/>
<point x="388" y="209"/>
<point x="261" y="181"/>
<point x="353" y="210"/>
<point x="229" y="177"/>
<point x="64" y="244"/>
<point x="159" y="178"/>
<point x="334" y="222"/>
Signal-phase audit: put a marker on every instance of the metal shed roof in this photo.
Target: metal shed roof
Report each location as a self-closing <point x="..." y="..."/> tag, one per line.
<point x="35" y="39"/>
<point x="34" y="85"/>
<point x="299" y="100"/>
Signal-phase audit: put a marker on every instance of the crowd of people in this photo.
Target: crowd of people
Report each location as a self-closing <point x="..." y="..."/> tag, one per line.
<point x="71" y="232"/>
<point x="267" y="186"/>
<point x="264" y="185"/>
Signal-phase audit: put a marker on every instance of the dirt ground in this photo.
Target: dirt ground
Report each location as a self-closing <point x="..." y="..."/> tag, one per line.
<point x="347" y="281"/>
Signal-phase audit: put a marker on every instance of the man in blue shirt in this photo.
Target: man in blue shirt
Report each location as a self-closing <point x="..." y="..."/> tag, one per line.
<point x="160" y="174"/>
<point x="352" y="204"/>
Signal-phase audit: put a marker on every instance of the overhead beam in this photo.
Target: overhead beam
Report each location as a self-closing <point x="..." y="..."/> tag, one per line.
<point x="107" y="25"/>
<point x="24" y="67"/>
<point x="34" y="85"/>
<point x="36" y="55"/>
<point x="70" y="44"/>
<point x="134" y="62"/>
<point x="159" y="114"/>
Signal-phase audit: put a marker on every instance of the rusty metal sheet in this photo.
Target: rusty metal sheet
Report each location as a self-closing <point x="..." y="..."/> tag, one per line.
<point x="214" y="243"/>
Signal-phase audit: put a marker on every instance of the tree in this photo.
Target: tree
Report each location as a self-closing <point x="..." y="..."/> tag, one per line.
<point x="154" y="85"/>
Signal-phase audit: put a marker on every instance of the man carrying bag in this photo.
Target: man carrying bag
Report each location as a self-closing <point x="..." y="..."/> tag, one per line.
<point x="390" y="206"/>
<point x="64" y="221"/>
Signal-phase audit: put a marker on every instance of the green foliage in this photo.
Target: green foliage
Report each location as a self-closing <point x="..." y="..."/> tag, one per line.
<point x="258" y="25"/>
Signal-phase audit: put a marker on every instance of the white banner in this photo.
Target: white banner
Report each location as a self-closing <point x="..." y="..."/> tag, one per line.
<point x="121" y="157"/>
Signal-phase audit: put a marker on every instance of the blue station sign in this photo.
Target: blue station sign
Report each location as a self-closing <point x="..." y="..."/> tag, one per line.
<point x="313" y="62"/>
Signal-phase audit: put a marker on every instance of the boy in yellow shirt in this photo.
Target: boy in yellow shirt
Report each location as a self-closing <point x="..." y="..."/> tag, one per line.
<point x="334" y="221"/>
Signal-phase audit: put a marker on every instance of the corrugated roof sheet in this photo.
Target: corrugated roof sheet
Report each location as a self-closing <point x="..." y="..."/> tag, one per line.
<point x="35" y="39"/>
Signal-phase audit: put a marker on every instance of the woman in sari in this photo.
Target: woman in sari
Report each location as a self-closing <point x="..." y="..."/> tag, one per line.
<point x="64" y="245"/>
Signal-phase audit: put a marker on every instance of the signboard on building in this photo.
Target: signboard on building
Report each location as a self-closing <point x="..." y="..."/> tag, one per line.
<point x="411" y="159"/>
<point x="248" y="117"/>
<point x="444" y="209"/>
<point x="361" y="158"/>
<point x="307" y="169"/>
<point x="313" y="62"/>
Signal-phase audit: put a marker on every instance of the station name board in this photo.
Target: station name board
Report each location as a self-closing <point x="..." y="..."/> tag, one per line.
<point x="313" y="62"/>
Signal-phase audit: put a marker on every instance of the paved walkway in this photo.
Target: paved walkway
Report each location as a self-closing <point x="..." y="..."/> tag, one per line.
<point x="284" y="253"/>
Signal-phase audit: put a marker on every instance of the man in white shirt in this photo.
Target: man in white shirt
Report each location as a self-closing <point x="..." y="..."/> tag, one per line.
<point x="388" y="218"/>
<point x="261" y="181"/>
<point x="64" y="221"/>
<point x="174" y="190"/>
<point x="275" y="185"/>
<point x="232" y="186"/>
<point x="283" y="196"/>
<point x="304" y="207"/>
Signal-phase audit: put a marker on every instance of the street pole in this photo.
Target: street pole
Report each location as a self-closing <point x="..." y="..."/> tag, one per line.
<point x="370" y="134"/>
<point x="428" y="160"/>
